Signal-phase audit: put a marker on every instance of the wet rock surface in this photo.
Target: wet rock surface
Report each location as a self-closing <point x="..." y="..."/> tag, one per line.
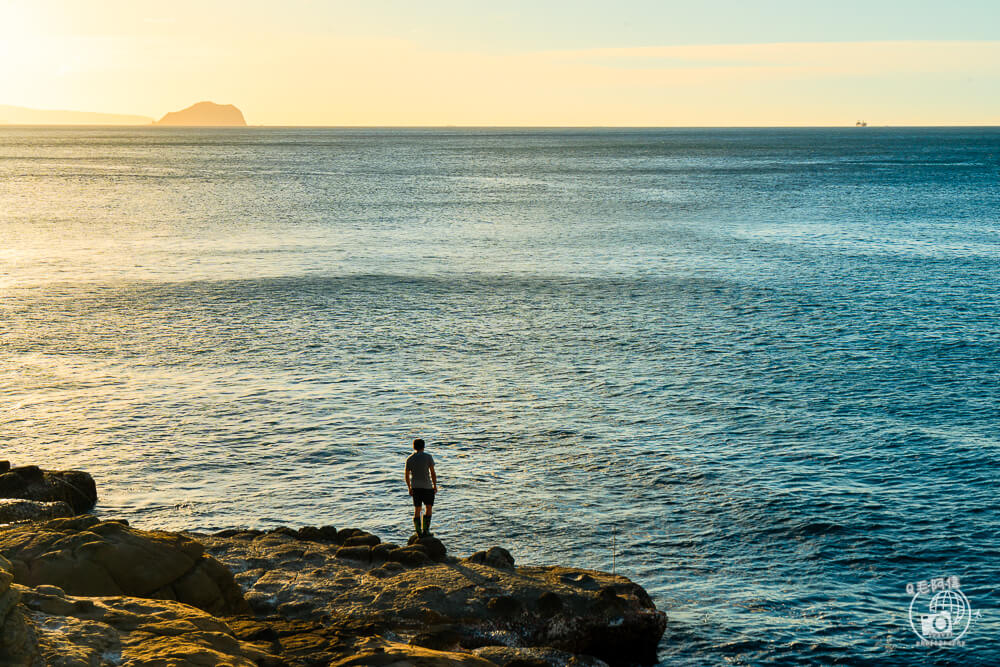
<point x="72" y="487"/>
<point x="15" y="510"/>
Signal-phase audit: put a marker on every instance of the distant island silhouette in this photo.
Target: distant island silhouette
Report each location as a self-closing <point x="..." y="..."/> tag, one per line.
<point x="205" y="114"/>
<point x="200" y="114"/>
<point x="13" y="115"/>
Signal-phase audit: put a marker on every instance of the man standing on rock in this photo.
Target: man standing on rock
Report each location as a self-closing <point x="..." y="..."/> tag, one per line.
<point x="422" y="482"/>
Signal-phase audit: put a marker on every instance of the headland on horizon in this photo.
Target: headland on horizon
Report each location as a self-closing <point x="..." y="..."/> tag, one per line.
<point x="205" y="114"/>
<point x="15" y="115"/>
<point x="201" y="114"/>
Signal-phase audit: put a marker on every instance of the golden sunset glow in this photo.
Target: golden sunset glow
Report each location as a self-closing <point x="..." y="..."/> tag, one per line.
<point x="331" y="64"/>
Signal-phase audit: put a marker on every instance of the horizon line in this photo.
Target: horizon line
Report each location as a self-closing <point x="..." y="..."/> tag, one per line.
<point x="509" y="127"/>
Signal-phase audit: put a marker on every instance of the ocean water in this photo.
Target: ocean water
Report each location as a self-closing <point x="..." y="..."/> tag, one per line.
<point x="758" y="371"/>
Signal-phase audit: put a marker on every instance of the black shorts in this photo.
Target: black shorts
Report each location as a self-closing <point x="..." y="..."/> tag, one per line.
<point x="423" y="496"/>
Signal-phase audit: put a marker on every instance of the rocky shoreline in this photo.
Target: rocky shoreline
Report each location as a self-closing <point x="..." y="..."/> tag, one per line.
<point x="78" y="590"/>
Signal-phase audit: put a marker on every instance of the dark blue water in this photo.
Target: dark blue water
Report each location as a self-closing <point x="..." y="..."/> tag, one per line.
<point x="765" y="364"/>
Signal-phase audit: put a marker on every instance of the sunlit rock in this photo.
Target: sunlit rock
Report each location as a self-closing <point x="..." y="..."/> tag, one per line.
<point x="14" y="510"/>
<point x="86" y="556"/>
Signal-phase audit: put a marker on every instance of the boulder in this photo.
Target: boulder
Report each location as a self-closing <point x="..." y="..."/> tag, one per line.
<point x="345" y="534"/>
<point x="313" y="534"/>
<point x="360" y="553"/>
<point x="434" y="547"/>
<point x="381" y="551"/>
<point x="362" y="540"/>
<point x="414" y="556"/>
<point x="494" y="557"/>
<point x="86" y="556"/>
<point x="12" y="511"/>
<point x="73" y="487"/>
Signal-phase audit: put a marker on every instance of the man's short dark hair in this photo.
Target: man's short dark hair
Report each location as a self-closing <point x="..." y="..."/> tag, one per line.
<point x="418" y="445"/>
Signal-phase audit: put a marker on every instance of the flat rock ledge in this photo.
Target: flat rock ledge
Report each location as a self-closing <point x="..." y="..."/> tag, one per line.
<point x="81" y="591"/>
<point x="317" y="586"/>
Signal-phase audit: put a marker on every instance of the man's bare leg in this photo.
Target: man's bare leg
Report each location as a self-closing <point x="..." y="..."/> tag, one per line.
<point x="416" y="519"/>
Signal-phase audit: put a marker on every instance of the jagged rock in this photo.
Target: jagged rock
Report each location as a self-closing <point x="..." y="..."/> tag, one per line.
<point x="85" y="556"/>
<point x="12" y="510"/>
<point x="73" y="487"/>
<point x="434" y="605"/>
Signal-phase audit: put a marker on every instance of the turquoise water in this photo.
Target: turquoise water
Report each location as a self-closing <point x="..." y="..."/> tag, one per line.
<point x="765" y="364"/>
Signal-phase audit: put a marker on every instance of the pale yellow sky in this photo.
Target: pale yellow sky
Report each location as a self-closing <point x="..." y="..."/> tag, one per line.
<point x="136" y="58"/>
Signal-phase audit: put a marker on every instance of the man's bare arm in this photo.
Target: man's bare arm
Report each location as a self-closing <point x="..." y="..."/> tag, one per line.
<point x="409" y="483"/>
<point x="434" y="477"/>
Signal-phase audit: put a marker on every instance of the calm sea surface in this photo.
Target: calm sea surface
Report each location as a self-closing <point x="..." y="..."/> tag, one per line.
<point x="766" y="361"/>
